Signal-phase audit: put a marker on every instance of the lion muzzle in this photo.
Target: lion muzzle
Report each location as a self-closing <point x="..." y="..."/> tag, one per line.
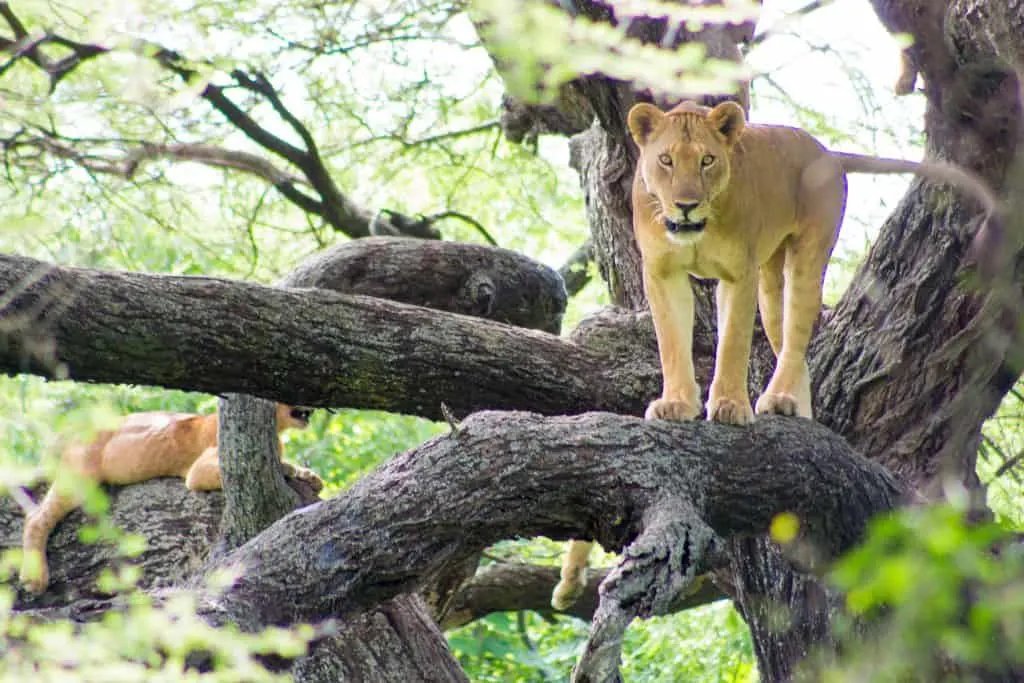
<point x="685" y="221"/>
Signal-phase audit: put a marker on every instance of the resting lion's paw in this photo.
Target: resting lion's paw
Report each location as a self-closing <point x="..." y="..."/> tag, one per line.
<point x="730" y="411"/>
<point x="34" y="575"/>
<point x="306" y="475"/>
<point x="568" y="591"/>
<point x="777" y="404"/>
<point x="665" y="409"/>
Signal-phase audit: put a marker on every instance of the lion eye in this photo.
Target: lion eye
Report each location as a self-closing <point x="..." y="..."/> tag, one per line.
<point x="707" y="160"/>
<point x="665" y="160"/>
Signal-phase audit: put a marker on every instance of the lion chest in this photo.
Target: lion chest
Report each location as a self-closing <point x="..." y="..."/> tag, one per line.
<point x="703" y="256"/>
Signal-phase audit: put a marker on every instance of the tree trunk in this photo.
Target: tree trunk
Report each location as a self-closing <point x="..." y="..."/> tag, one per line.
<point x="249" y="453"/>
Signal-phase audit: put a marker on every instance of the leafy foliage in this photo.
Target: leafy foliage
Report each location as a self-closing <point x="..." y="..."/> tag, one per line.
<point x="929" y="577"/>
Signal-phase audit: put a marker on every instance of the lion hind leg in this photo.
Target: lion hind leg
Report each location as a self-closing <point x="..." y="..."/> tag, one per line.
<point x="39" y="524"/>
<point x="789" y="391"/>
<point x="573" y="575"/>
<point x="78" y="463"/>
<point x="204" y="474"/>
<point x="769" y="297"/>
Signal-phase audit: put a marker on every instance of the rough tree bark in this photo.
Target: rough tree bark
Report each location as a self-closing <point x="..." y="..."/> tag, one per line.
<point x="255" y="491"/>
<point x="316" y="347"/>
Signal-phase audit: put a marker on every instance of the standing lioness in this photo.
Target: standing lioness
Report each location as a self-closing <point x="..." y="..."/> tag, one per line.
<point x="757" y="208"/>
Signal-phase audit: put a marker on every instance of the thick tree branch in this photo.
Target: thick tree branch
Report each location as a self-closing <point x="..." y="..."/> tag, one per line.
<point x="601" y="476"/>
<point x="321" y="348"/>
<point x="313" y="347"/>
<point x="595" y="476"/>
<point x="471" y="279"/>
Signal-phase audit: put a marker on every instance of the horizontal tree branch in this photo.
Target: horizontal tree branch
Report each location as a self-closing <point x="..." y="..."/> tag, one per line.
<point x="515" y="586"/>
<point x="321" y="348"/>
<point x="596" y="475"/>
<point x="312" y="347"/>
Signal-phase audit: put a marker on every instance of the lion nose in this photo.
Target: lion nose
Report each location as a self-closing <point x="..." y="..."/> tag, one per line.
<point x="686" y="207"/>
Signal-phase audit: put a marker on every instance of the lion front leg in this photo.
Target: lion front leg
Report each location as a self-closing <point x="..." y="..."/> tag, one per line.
<point x="305" y="474"/>
<point x="670" y="295"/>
<point x="728" y="400"/>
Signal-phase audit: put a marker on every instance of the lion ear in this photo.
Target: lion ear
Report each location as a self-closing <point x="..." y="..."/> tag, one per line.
<point x="728" y="119"/>
<point x="642" y="120"/>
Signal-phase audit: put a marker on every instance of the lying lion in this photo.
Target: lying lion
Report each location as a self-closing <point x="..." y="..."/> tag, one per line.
<point x="144" y="446"/>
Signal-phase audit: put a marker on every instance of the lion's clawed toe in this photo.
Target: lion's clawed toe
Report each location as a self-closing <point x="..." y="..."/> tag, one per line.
<point x="777" y="404"/>
<point x="730" y="411"/>
<point x="666" y="409"/>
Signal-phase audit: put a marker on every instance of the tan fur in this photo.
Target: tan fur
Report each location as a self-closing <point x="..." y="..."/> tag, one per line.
<point x="757" y="208"/>
<point x="144" y="446"/>
<point x="907" y="78"/>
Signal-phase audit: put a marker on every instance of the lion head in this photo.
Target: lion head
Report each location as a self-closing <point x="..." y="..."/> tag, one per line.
<point x="684" y="159"/>
<point x="296" y="417"/>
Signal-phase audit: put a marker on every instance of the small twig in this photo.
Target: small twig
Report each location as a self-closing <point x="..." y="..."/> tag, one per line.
<point x="449" y="417"/>
<point x="465" y="219"/>
<point x="1009" y="465"/>
<point x="784" y="23"/>
<point x="576" y="271"/>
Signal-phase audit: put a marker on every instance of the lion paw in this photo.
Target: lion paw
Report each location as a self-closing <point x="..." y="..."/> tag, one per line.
<point x="777" y="404"/>
<point x="304" y="474"/>
<point x="730" y="411"/>
<point x="35" y="576"/>
<point x="568" y="591"/>
<point x="666" y="409"/>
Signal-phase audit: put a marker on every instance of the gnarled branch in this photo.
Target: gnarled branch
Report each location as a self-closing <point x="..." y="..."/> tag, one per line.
<point x="600" y="476"/>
